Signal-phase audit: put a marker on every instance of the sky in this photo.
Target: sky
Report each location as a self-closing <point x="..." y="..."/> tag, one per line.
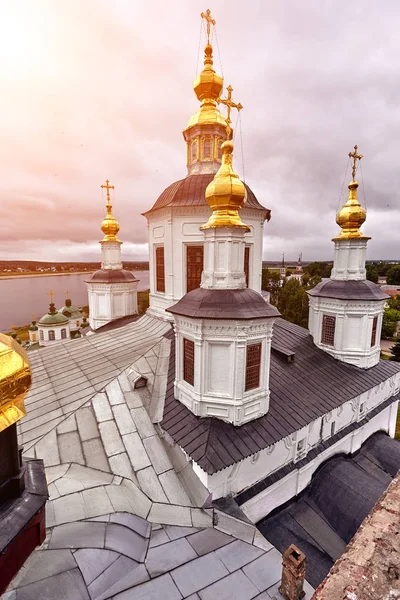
<point x="93" y="90"/>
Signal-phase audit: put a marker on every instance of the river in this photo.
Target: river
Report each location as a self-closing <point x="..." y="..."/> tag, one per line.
<point x="20" y="297"/>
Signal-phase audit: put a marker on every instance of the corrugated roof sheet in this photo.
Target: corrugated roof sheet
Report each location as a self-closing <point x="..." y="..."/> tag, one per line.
<point x="191" y="192"/>
<point x="301" y="391"/>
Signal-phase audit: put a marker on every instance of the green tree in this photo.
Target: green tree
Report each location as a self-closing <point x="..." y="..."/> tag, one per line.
<point x="393" y="275"/>
<point x="293" y="303"/>
<point x="396" y="351"/>
<point x="323" y="269"/>
<point x="271" y="282"/>
<point x="394" y="302"/>
<point x="389" y="324"/>
<point x="372" y="272"/>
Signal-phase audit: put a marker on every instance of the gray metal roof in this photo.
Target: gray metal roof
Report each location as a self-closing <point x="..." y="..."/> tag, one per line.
<point x="301" y="391"/>
<point x="348" y="290"/>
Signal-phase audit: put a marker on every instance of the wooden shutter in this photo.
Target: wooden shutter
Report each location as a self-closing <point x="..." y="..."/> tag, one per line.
<point x="188" y="361"/>
<point x="374" y="328"/>
<point x="160" y="269"/>
<point x="194" y="267"/>
<point x="253" y="365"/>
<point x="247" y="263"/>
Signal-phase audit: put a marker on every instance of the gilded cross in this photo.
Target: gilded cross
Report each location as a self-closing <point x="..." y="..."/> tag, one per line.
<point x="67" y="293"/>
<point x="108" y="188"/>
<point x="229" y="105"/>
<point x="210" y="21"/>
<point x="355" y="156"/>
<point x="51" y="294"/>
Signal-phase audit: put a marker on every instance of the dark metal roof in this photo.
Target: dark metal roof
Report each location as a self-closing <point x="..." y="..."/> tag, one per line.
<point x="301" y="391"/>
<point x="348" y="290"/>
<point x="223" y="304"/>
<point x="342" y="493"/>
<point x="191" y="191"/>
<point x="111" y="276"/>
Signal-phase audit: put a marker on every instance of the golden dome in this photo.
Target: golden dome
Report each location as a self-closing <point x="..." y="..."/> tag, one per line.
<point x="351" y="216"/>
<point x="15" y="381"/>
<point x="110" y="226"/>
<point x="225" y="194"/>
<point x="208" y="87"/>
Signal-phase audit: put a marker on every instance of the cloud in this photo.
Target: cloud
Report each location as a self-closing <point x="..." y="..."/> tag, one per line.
<point x="97" y="90"/>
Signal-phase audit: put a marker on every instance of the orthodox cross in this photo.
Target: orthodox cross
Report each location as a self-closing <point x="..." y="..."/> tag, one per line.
<point x="51" y="294"/>
<point x="229" y="105"/>
<point x="355" y="156"/>
<point x="210" y="21"/>
<point x="108" y="188"/>
<point x="67" y="293"/>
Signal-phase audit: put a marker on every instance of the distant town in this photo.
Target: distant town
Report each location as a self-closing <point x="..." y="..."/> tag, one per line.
<point x="27" y="267"/>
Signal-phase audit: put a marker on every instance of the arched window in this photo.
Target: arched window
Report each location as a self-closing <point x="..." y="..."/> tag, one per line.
<point x="63" y="334"/>
<point x="219" y="151"/>
<point x="77" y="323"/>
<point x="41" y="335"/>
<point x="194" y="151"/>
<point x="52" y="335"/>
<point x="207" y="149"/>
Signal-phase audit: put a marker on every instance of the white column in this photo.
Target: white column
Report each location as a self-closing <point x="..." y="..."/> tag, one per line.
<point x="349" y="259"/>
<point x="224" y="259"/>
<point x="111" y="253"/>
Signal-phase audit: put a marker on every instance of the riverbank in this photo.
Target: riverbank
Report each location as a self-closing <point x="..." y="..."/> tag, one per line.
<point x="26" y="275"/>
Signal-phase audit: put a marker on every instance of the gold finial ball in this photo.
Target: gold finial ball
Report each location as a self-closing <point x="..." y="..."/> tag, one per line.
<point x="351" y="217"/>
<point x="226" y="191"/>
<point x="15" y="381"/>
<point x="110" y="227"/>
<point x="208" y="85"/>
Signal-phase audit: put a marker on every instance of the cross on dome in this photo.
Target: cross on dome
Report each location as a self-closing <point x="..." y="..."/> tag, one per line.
<point x="108" y="188"/>
<point x="355" y="157"/>
<point x="51" y="294"/>
<point x="209" y="20"/>
<point x="228" y="102"/>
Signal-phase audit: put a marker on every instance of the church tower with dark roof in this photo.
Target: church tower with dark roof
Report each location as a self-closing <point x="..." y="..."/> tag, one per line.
<point x="176" y="244"/>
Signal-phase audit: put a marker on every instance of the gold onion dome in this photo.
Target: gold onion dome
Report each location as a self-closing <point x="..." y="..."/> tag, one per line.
<point x="225" y="194"/>
<point x="208" y="87"/>
<point x="351" y="217"/>
<point x="110" y="225"/>
<point x="15" y="381"/>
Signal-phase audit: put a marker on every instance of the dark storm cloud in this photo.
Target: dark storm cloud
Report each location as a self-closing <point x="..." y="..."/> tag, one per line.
<point x="100" y="90"/>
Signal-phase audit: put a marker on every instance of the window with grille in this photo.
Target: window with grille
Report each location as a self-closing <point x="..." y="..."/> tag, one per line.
<point x="219" y="150"/>
<point x="253" y="364"/>
<point x="63" y="334"/>
<point x="188" y="361"/>
<point x="194" y="151"/>
<point x="52" y="335"/>
<point x="247" y="264"/>
<point x="207" y="149"/>
<point x="160" y="269"/>
<point x="194" y="267"/>
<point x="328" y="330"/>
<point x="41" y="335"/>
<point x="374" y="328"/>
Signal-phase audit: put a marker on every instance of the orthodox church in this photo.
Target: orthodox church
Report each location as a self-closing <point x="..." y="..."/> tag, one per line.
<point x="172" y="440"/>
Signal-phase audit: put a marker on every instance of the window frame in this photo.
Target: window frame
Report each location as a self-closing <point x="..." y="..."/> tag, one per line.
<point x="328" y="336"/>
<point x="246" y="261"/>
<point x="253" y="366"/>
<point x="208" y="139"/>
<point x="63" y="333"/>
<point x="159" y="270"/>
<point x="41" y="336"/>
<point x="51" y="335"/>
<point x="188" y="360"/>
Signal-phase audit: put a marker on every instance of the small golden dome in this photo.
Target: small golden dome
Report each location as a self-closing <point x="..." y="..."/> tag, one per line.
<point x="225" y="194"/>
<point x="110" y="226"/>
<point x="15" y="381"/>
<point x="352" y="215"/>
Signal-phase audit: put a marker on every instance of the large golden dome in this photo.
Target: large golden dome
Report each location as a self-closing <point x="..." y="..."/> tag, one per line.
<point x="351" y="217"/>
<point x="15" y="381"/>
<point x="225" y="194"/>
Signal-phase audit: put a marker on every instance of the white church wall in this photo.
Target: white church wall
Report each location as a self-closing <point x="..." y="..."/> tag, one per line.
<point x="261" y="505"/>
<point x="267" y="461"/>
<point x="176" y="228"/>
<point x="111" y="301"/>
